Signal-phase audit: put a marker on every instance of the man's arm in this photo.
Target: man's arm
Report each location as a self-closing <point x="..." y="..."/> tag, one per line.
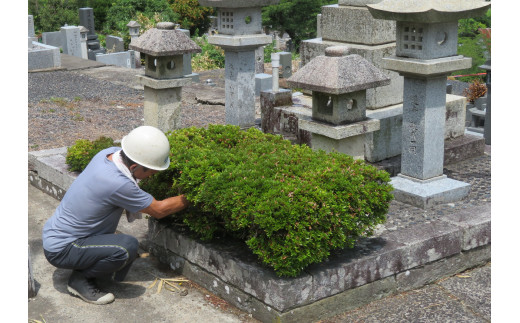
<point x="160" y="209"/>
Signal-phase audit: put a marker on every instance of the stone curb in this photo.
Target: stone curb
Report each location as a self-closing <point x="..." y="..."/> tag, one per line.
<point x="379" y="266"/>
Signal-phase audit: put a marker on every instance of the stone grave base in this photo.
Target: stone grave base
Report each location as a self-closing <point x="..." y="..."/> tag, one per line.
<point x="375" y="268"/>
<point x="391" y="262"/>
<point x="427" y="193"/>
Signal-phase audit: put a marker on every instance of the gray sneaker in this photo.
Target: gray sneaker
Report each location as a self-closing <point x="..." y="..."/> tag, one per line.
<point x="87" y="290"/>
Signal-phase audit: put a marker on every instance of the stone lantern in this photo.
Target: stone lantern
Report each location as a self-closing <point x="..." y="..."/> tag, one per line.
<point x="164" y="75"/>
<point x="133" y="29"/>
<point x="83" y="36"/>
<point x="239" y="34"/>
<point x="338" y="82"/>
<point x="426" y="52"/>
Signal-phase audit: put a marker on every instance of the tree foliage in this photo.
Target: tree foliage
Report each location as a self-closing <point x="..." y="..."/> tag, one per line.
<point x="51" y="15"/>
<point x="192" y="15"/>
<point x="295" y="17"/>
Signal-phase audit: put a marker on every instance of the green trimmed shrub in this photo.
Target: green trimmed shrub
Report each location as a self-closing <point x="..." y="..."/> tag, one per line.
<point x="83" y="150"/>
<point x="291" y="205"/>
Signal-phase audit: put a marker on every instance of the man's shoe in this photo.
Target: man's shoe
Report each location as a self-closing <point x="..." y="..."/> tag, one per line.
<point x="87" y="290"/>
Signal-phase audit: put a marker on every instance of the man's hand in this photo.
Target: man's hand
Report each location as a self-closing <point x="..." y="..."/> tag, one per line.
<point x="160" y="209"/>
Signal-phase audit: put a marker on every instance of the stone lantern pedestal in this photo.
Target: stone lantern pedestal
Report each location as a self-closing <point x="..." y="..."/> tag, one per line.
<point x="164" y="75"/>
<point x="240" y="34"/>
<point x="426" y="53"/>
<point x="338" y="82"/>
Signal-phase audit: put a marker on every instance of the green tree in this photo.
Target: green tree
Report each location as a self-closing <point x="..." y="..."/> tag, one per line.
<point x="295" y="17"/>
<point x="146" y="12"/>
<point x="51" y="15"/>
<point x="192" y="15"/>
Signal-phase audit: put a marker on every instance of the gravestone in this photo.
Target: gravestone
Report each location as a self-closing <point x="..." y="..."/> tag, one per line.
<point x="114" y="44"/>
<point x="123" y="59"/>
<point x="71" y="40"/>
<point x="53" y="38"/>
<point x="285" y="65"/>
<point x="31" y="26"/>
<point x="86" y="19"/>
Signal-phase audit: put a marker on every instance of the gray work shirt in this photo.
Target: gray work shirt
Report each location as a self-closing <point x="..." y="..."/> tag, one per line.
<point x="93" y="204"/>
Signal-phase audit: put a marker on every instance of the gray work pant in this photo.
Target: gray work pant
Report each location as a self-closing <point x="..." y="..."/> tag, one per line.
<point x="98" y="256"/>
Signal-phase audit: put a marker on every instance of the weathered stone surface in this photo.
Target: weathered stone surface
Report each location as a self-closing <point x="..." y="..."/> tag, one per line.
<point x="422" y="275"/>
<point x="426" y="243"/>
<point x="476" y="226"/>
<point x="268" y="101"/>
<point x="338" y="132"/>
<point x="162" y="107"/>
<point x="338" y="74"/>
<point x="242" y="41"/>
<point x="355" y="25"/>
<point x="463" y="147"/>
<point x="428" y="10"/>
<point x="427" y="193"/>
<point x="162" y="84"/>
<point x="164" y="41"/>
<point x="372" y="259"/>
<point x="430" y="67"/>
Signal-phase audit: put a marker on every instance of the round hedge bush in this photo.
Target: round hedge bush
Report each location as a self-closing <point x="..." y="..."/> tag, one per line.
<point x="291" y="205"/>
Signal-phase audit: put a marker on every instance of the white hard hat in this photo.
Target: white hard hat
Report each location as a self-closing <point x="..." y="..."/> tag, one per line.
<point x="147" y="146"/>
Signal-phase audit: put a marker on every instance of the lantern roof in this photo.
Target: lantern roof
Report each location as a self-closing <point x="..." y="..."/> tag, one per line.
<point x="83" y="29"/>
<point x="337" y="72"/>
<point x="237" y="3"/>
<point x="428" y="11"/>
<point x="164" y="40"/>
<point x="133" y="24"/>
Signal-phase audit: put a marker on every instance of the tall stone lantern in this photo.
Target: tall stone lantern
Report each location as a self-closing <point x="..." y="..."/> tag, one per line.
<point x="239" y="34"/>
<point x="338" y="82"/>
<point x="426" y="52"/>
<point x="163" y="78"/>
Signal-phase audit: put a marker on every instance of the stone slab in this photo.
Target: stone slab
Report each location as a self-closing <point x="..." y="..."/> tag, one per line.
<point x="338" y="132"/>
<point x="475" y="224"/>
<point x="355" y="25"/>
<point x="270" y="117"/>
<point x="425" y="68"/>
<point x="263" y="82"/>
<point x="162" y="84"/>
<point x="123" y="59"/>
<point x="114" y="44"/>
<point x="424" y="195"/>
<point x="244" y="42"/>
<point x="463" y="147"/>
<point x="41" y="56"/>
<point x="53" y="38"/>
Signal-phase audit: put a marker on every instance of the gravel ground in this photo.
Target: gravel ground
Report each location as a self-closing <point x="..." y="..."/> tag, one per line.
<point x="65" y="106"/>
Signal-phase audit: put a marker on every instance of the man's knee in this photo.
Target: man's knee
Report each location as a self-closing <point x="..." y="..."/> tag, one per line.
<point x="130" y="245"/>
